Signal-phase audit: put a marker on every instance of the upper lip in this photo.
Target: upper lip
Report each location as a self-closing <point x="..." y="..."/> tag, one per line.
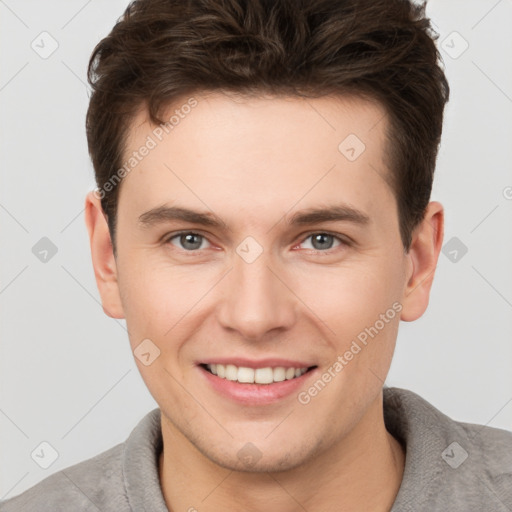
<point x="261" y="363"/>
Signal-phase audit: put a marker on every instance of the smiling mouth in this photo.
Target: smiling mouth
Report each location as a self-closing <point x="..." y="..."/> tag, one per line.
<point x="244" y="375"/>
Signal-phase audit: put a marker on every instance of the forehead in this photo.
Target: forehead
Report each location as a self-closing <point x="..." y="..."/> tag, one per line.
<point x="252" y="152"/>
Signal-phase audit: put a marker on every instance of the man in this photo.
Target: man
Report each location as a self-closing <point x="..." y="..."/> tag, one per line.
<point x="230" y="141"/>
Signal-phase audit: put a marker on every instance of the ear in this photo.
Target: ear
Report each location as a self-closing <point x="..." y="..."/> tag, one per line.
<point x="103" y="260"/>
<point x="422" y="258"/>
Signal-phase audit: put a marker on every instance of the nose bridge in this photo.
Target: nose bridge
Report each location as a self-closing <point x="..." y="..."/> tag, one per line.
<point x="256" y="301"/>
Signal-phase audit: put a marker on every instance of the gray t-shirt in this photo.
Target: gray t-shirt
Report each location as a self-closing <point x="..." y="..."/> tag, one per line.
<point x="449" y="466"/>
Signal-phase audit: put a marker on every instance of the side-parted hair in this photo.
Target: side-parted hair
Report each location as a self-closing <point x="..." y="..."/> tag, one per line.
<point x="163" y="51"/>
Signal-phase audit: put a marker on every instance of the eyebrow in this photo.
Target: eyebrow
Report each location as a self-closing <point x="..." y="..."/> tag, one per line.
<point x="163" y="214"/>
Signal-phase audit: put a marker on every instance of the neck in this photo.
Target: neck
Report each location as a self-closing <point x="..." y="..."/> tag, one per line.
<point x="363" y="471"/>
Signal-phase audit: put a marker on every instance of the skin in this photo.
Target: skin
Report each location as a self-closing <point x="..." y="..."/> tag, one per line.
<point x="254" y="163"/>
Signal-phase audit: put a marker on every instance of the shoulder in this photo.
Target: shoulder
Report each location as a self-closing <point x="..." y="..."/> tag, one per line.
<point x="120" y="479"/>
<point x="489" y="451"/>
<point x="492" y="445"/>
<point x="448" y="463"/>
<point x="95" y="484"/>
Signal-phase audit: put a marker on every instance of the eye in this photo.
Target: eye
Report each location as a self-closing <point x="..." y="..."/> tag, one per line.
<point x="323" y="242"/>
<point x="191" y="241"/>
<point x="188" y="240"/>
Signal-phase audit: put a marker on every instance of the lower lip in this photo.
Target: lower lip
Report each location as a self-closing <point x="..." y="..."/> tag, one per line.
<point x="255" y="394"/>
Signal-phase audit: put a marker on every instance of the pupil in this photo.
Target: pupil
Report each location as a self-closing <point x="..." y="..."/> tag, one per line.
<point x="321" y="237"/>
<point x="186" y="240"/>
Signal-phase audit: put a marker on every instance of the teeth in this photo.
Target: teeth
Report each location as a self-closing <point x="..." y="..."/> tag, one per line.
<point x="231" y="372"/>
<point x="245" y="374"/>
<point x="263" y="376"/>
<point x="279" y="374"/>
<point x="255" y="376"/>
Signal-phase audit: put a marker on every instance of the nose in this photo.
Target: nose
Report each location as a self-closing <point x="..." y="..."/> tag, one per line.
<point x="257" y="299"/>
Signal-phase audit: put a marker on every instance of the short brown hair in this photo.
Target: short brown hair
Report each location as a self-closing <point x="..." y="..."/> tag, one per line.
<point x="383" y="50"/>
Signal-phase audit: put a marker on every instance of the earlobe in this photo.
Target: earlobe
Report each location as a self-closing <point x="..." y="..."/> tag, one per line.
<point x="423" y="255"/>
<point x="103" y="260"/>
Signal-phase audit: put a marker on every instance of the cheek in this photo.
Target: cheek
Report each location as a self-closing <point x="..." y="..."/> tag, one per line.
<point x="353" y="296"/>
<point x="159" y="298"/>
<point x="360" y="307"/>
<point x="145" y="297"/>
<point x="155" y="306"/>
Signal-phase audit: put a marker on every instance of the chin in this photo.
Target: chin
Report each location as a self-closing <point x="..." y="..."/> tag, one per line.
<point x="273" y="464"/>
<point x="271" y="458"/>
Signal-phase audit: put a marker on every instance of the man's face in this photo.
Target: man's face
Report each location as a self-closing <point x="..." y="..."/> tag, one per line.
<point x="258" y="289"/>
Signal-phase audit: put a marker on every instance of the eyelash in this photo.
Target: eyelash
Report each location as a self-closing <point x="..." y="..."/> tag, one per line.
<point x="343" y="241"/>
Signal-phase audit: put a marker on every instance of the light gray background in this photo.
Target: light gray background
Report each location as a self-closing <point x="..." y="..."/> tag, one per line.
<point x="67" y="375"/>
